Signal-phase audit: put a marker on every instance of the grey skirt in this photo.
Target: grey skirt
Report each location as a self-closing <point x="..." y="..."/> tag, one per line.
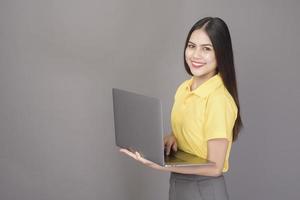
<point x="195" y="187"/>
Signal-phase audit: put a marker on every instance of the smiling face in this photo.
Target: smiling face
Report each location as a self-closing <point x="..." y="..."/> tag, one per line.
<point x="200" y="56"/>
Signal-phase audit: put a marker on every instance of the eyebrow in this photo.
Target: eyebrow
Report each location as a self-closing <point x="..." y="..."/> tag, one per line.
<point x="201" y="44"/>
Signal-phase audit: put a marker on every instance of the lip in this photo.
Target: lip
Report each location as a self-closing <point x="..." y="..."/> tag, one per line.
<point x="197" y="64"/>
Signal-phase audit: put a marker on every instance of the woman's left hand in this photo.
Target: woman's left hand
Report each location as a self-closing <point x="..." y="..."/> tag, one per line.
<point x="142" y="160"/>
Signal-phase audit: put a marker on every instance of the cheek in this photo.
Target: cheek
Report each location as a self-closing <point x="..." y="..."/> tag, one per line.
<point x="187" y="53"/>
<point x="210" y="58"/>
<point x="214" y="63"/>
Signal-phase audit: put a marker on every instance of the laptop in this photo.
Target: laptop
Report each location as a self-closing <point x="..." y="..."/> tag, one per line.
<point x="139" y="127"/>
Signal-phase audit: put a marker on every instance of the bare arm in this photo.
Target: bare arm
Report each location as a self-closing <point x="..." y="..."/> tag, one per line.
<point x="217" y="149"/>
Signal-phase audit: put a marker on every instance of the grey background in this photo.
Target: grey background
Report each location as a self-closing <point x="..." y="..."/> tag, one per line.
<point x="59" y="60"/>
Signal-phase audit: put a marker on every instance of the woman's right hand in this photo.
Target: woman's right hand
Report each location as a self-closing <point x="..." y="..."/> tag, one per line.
<point x="170" y="144"/>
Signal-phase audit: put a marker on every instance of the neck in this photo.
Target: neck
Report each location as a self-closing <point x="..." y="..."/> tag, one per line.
<point x="199" y="80"/>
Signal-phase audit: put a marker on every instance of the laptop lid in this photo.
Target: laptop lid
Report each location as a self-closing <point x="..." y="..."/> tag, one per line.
<point x="138" y="124"/>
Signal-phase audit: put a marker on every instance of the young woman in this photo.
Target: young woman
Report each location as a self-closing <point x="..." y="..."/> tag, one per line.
<point x="205" y="116"/>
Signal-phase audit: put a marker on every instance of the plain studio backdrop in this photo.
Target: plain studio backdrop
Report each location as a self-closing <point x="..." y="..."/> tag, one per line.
<point x="59" y="60"/>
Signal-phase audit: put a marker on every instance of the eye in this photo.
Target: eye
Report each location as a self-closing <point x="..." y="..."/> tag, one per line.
<point x="206" y="49"/>
<point x="190" y="46"/>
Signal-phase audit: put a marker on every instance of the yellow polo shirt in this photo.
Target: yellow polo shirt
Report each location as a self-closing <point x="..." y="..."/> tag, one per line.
<point x="208" y="112"/>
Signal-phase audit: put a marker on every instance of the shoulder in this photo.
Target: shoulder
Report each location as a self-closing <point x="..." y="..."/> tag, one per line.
<point x="183" y="84"/>
<point x="222" y="98"/>
<point x="181" y="87"/>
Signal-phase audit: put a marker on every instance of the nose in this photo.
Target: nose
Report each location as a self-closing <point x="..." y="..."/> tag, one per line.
<point x="198" y="53"/>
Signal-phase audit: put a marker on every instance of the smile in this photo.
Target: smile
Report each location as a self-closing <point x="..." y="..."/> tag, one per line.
<point x="197" y="64"/>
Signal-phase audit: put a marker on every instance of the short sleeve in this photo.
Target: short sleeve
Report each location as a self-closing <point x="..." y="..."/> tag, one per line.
<point x="221" y="113"/>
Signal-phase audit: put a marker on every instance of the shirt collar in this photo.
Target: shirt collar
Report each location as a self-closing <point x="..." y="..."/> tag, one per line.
<point x="207" y="87"/>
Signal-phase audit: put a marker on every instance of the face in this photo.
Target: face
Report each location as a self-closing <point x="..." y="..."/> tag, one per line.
<point x="200" y="55"/>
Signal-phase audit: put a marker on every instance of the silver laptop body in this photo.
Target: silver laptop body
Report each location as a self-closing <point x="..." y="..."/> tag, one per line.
<point x="139" y="127"/>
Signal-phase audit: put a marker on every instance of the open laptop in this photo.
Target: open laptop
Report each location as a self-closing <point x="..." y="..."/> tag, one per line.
<point x="139" y="127"/>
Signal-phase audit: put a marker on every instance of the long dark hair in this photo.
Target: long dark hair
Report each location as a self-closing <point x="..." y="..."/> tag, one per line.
<point x="219" y="35"/>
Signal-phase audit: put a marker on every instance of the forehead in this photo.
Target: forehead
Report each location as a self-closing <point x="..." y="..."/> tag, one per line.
<point x="200" y="37"/>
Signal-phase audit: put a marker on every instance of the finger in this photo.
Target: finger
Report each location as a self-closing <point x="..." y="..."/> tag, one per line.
<point x="141" y="159"/>
<point x="165" y="143"/>
<point x="129" y="153"/>
<point x="138" y="155"/>
<point x="165" y="140"/>
<point x="168" y="148"/>
<point x="174" y="147"/>
<point x="147" y="162"/>
<point x="125" y="151"/>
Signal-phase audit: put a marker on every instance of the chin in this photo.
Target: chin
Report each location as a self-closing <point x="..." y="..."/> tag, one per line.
<point x="198" y="73"/>
<point x="201" y="72"/>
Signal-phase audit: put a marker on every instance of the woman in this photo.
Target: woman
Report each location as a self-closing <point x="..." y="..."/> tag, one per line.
<point x="205" y="116"/>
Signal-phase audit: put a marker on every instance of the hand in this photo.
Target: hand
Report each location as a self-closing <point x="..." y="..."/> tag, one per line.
<point x="170" y="143"/>
<point x="142" y="160"/>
